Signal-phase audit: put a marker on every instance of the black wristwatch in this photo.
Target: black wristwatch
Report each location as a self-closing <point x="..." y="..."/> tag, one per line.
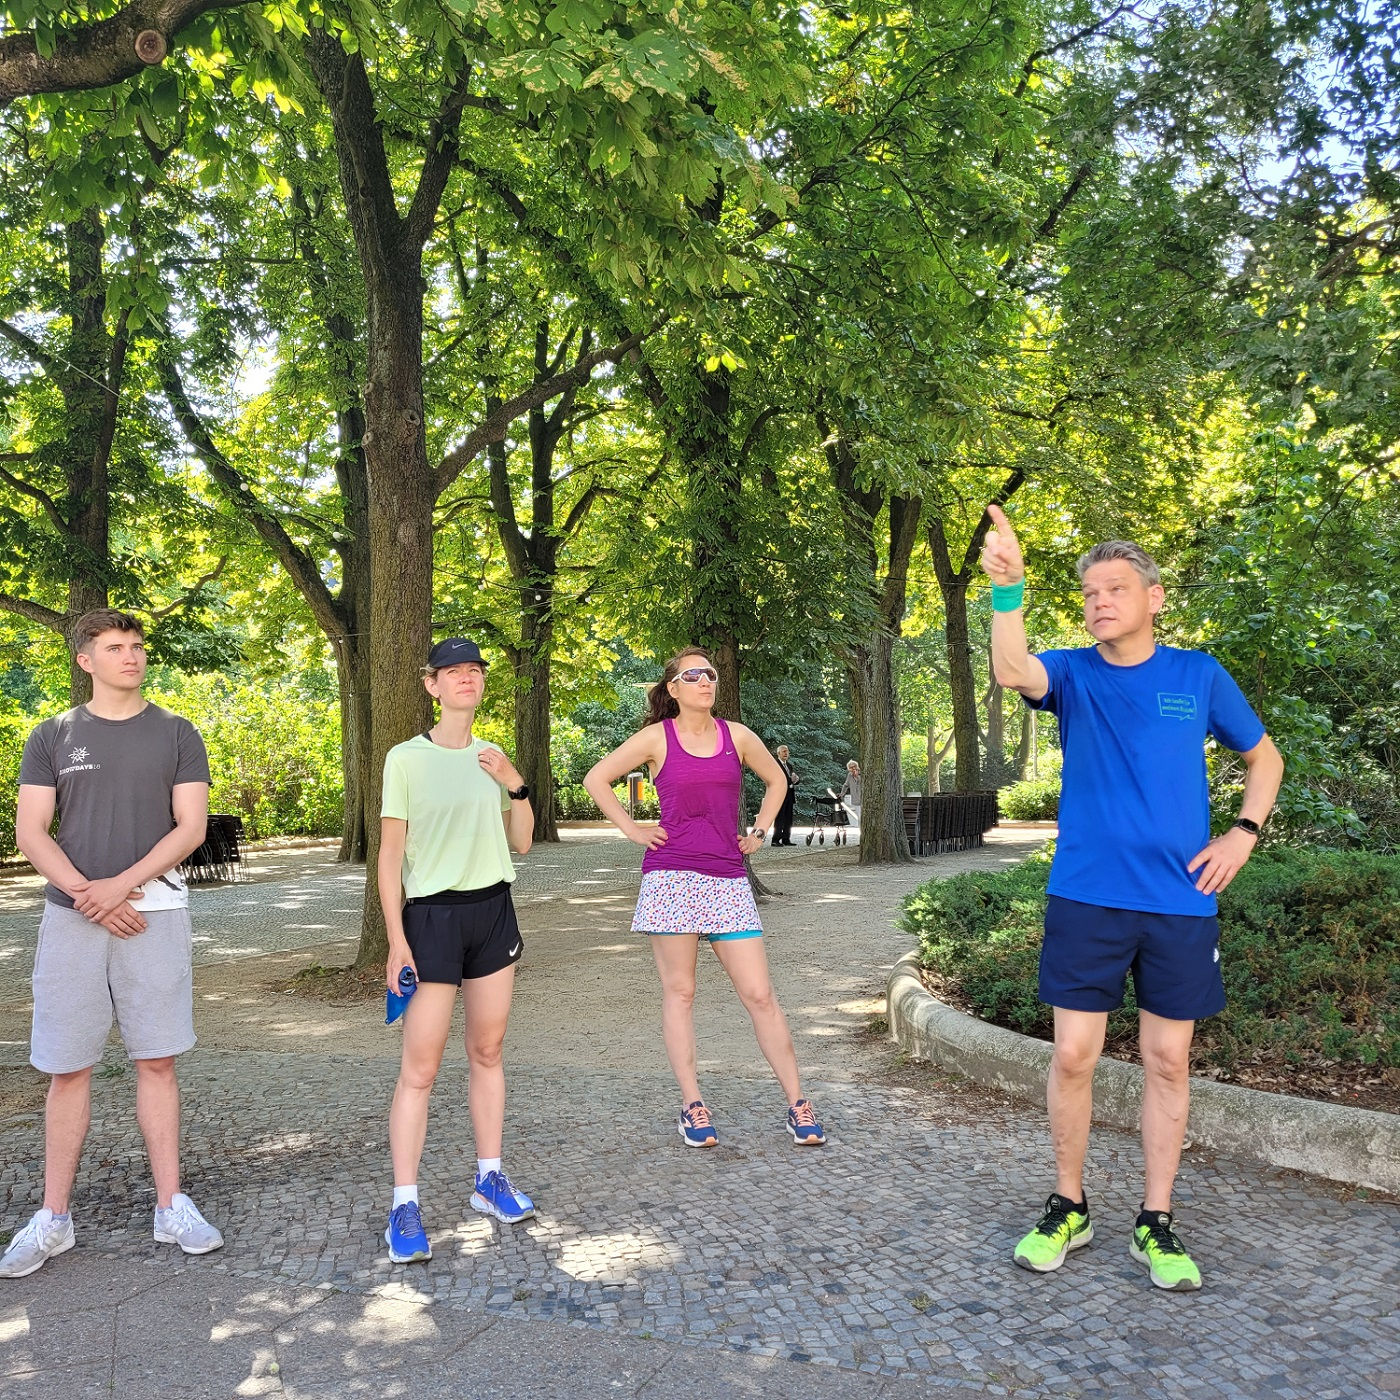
<point x="518" y="794"/>
<point x="1249" y="825"/>
<point x="759" y="831"/>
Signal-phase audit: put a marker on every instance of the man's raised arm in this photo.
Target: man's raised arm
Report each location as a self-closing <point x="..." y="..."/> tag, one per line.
<point x="1012" y="661"/>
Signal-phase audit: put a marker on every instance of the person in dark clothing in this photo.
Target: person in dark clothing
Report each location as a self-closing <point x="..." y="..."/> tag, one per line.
<point x="782" y="823"/>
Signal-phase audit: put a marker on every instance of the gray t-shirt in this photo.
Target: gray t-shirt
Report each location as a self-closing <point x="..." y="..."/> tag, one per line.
<point x="113" y="779"/>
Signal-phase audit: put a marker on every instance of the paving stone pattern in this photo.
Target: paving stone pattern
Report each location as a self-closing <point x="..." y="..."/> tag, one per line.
<point x="885" y="1252"/>
<point x="876" y="1267"/>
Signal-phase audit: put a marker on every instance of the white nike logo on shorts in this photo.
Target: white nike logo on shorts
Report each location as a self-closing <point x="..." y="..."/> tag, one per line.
<point x="513" y="951"/>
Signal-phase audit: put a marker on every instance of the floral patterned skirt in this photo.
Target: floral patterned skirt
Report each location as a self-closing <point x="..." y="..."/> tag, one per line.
<point x="680" y="901"/>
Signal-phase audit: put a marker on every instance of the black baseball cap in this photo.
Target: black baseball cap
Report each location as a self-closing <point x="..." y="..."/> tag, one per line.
<point x="455" y="651"/>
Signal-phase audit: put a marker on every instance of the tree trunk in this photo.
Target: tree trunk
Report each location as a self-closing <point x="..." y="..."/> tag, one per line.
<point x="1025" y="749"/>
<point x="532" y="707"/>
<point x="952" y="586"/>
<point x="715" y="489"/>
<point x="714" y="483"/>
<point x="90" y="377"/>
<point x="937" y="751"/>
<point x="90" y="426"/>
<point x="882" y="836"/>
<point x="995" y="760"/>
<point x="352" y="647"/>
<point x="727" y="663"/>
<point x="352" y="672"/>
<point x="402" y="486"/>
<point x="402" y="496"/>
<point x="870" y="664"/>
<point x="533" y="557"/>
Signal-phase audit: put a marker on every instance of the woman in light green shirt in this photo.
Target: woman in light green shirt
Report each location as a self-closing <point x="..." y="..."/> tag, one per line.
<point x="454" y="807"/>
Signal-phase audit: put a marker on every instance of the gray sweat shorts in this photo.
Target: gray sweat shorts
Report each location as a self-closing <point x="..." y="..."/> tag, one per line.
<point x="83" y="976"/>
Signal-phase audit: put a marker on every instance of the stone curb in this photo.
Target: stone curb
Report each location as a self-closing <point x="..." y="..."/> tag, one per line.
<point x="1355" y="1145"/>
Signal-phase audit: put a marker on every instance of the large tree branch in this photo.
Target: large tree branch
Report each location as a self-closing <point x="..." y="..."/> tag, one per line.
<point x="904" y="534"/>
<point x="1069" y="41"/>
<point x="493" y="427"/>
<point x="97" y="55"/>
<point x="1052" y="417"/>
<point x="191" y="594"/>
<point x="441" y="155"/>
<point x="300" y="566"/>
<point x="35" y="612"/>
<point x="31" y="347"/>
<point x="56" y="517"/>
<point x="507" y="526"/>
<point x="1071" y="193"/>
<point x="604" y="308"/>
<point x="365" y="180"/>
<point x="756" y="428"/>
<point x="543" y="231"/>
<point x="1009" y="488"/>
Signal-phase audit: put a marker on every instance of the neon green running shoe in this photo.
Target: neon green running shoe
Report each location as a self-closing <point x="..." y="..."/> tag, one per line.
<point x="1061" y="1228"/>
<point x="1155" y="1244"/>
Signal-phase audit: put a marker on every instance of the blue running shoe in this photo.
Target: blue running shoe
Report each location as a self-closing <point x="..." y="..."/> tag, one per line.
<point x="695" y="1126"/>
<point x="494" y="1195"/>
<point x="406" y="1238"/>
<point x="803" y="1125"/>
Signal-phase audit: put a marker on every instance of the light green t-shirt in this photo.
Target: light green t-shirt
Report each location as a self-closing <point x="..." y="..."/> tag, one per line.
<point x="456" y="838"/>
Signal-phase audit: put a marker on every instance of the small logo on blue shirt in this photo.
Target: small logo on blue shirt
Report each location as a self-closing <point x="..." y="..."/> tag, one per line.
<point x="1176" y="706"/>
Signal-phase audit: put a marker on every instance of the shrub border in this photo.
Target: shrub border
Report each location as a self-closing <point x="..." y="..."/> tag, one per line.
<point x="1358" y="1146"/>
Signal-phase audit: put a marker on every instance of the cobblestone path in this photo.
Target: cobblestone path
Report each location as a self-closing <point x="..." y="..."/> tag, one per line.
<point x="884" y="1255"/>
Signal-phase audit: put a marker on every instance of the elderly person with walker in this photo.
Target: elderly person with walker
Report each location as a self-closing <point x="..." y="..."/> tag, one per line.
<point x="694" y="884"/>
<point x="850" y="793"/>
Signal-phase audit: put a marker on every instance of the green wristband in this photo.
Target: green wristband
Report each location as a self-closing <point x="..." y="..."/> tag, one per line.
<point x="1007" y="597"/>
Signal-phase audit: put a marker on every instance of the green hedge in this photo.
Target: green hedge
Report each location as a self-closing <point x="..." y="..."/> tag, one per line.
<point x="1309" y="950"/>
<point x="274" y="756"/>
<point x="14" y="730"/>
<point x="1035" y="800"/>
<point x="274" y="753"/>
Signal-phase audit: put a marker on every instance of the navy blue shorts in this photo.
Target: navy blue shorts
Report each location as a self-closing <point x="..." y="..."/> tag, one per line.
<point x="1089" y="950"/>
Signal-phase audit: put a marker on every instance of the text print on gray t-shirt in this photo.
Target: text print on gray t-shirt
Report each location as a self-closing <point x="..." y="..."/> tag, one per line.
<point x="113" y="780"/>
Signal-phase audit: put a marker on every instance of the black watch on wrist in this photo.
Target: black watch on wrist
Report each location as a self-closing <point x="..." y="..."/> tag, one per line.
<point x="760" y="832"/>
<point x="518" y="794"/>
<point x="1249" y="825"/>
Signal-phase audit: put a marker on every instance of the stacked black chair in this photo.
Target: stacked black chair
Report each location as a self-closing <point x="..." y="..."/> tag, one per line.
<point x="219" y="855"/>
<point x="913" y="824"/>
<point x="954" y="821"/>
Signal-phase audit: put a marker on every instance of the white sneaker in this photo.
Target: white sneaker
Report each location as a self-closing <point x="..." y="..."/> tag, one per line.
<point x="34" y="1244"/>
<point x="182" y="1224"/>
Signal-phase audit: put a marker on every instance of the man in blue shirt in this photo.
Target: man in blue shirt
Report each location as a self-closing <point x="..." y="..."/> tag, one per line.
<point x="1135" y="874"/>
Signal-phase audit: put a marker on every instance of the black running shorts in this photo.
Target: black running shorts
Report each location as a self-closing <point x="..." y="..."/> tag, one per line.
<point x="457" y="935"/>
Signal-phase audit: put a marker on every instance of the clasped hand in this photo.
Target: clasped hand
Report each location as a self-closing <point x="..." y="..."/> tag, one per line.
<point x="107" y="902"/>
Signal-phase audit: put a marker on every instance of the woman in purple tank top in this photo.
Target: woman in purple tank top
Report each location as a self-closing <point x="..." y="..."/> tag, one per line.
<point x="694" y="884"/>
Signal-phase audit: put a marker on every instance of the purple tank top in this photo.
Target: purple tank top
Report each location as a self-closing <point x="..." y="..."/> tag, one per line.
<point x="699" y="809"/>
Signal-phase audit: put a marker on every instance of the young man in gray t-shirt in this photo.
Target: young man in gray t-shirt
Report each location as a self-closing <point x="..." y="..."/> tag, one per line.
<point x="129" y="782"/>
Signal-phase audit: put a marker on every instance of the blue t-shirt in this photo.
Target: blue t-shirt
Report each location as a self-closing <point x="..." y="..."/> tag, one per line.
<point x="1134" y="805"/>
